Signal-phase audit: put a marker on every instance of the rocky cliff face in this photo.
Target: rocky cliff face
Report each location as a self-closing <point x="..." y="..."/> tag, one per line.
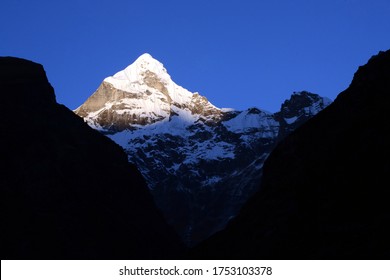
<point x="324" y="191"/>
<point x="61" y="198"/>
<point x="201" y="162"/>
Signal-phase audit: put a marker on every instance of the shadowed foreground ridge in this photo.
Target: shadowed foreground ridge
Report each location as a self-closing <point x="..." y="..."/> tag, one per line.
<point x="325" y="187"/>
<point x="67" y="191"/>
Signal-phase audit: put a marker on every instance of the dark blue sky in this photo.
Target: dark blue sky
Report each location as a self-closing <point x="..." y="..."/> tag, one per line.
<point x="237" y="53"/>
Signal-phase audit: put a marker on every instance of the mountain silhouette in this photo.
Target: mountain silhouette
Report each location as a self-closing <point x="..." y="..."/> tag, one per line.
<point x="324" y="191"/>
<point x="67" y="191"/>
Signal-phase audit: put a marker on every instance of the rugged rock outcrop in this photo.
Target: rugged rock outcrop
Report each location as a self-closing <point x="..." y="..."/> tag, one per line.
<point x="67" y="191"/>
<point x="200" y="162"/>
<point x="324" y="192"/>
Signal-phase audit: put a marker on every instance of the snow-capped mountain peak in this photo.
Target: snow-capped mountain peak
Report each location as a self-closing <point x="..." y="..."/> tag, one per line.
<point x="148" y="75"/>
<point x="143" y="93"/>
<point x="137" y="71"/>
<point x="201" y="162"/>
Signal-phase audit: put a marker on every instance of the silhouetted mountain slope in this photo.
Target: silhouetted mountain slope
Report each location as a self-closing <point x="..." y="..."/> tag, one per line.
<point x="325" y="188"/>
<point x="67" y="191"/>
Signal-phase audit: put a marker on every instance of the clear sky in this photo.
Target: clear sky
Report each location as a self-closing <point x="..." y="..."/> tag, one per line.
<point x="237" y="53"/>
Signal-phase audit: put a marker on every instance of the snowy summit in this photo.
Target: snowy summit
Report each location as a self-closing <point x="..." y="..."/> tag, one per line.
<point x="143" y="93"/>
<point x="137" y="78"/>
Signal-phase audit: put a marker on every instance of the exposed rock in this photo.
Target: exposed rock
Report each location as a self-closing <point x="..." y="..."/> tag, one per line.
<point x="296" y="111"/>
